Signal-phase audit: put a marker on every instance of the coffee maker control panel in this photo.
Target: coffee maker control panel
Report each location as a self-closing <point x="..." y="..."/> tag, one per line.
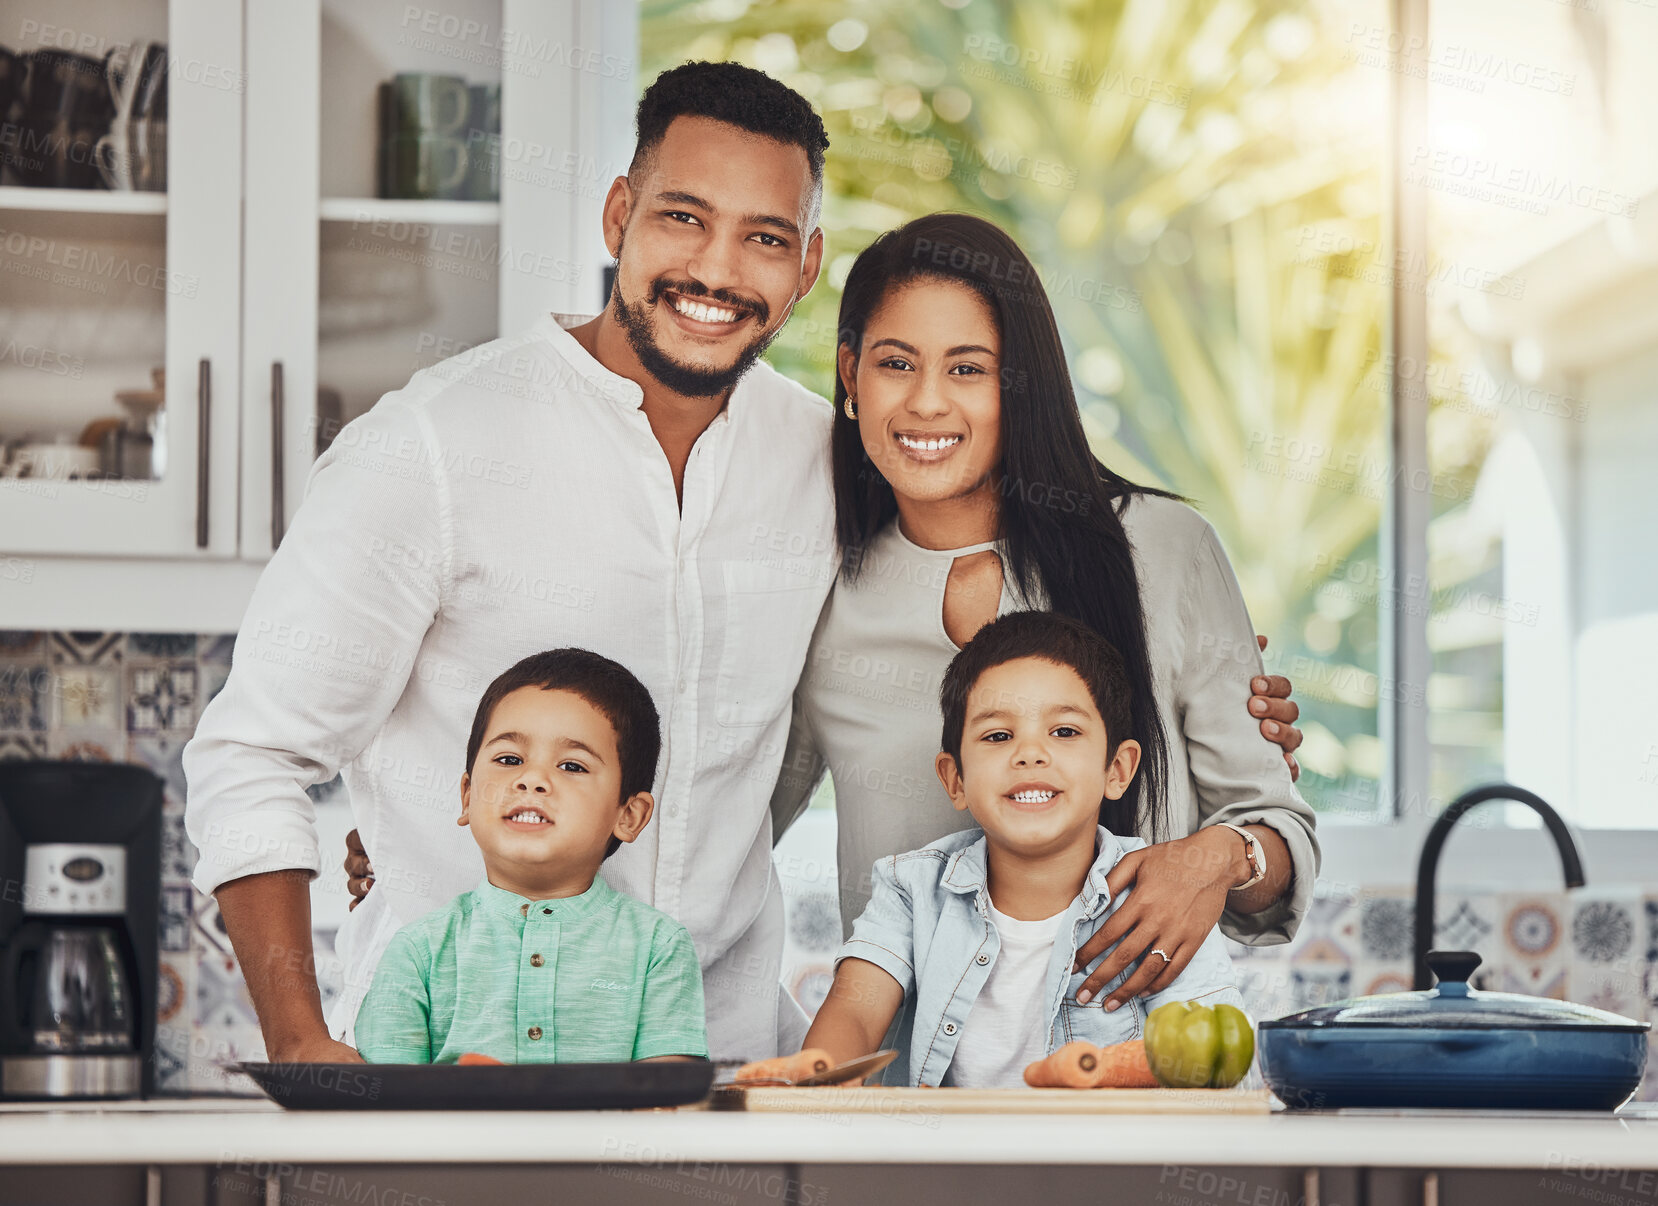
<point x="74" y="879"/>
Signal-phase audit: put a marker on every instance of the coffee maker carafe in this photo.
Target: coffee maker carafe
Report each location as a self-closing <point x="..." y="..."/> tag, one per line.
<point x="80" y="857"/>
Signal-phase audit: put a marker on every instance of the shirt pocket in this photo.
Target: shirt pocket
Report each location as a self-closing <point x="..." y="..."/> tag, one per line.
<point x="769" y="615"/>
<point x="1091" y="1023"/>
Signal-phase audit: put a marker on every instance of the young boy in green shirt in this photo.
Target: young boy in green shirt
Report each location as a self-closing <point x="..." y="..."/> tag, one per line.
<point x="543" y="962"/>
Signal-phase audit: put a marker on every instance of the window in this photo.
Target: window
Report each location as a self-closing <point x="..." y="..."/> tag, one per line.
<point x="1541" y="293"/>
<point x="1260" y="226"/>
<point x="1206" y="197"/>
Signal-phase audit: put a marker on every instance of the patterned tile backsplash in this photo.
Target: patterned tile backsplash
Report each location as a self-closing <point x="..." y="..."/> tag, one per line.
<point x="136" y="697"/>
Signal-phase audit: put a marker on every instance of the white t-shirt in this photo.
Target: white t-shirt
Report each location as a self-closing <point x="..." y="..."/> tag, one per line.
<point x="1008" y="1028"/>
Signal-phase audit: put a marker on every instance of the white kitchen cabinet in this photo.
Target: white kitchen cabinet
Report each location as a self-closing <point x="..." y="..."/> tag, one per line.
<point x="284" y="274"/>
<point x="102" y="287"/>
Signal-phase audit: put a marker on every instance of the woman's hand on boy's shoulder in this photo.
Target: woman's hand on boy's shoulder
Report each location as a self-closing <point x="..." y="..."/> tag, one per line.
<point x="1270" y="704"/>
<point x="1180" y="890"/>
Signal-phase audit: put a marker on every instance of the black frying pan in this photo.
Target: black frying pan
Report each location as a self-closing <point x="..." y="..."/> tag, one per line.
<point x="607" y="1086"/>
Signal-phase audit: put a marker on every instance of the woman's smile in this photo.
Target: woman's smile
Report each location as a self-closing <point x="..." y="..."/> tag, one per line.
<point x="928" y="448"/>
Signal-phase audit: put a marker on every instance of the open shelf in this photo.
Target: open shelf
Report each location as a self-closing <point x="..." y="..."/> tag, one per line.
<point x="436" y="213"/>
<point x="81" y="200"/>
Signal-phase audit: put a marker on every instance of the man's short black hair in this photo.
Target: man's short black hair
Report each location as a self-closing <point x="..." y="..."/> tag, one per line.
<point x="729" y="92"/>
<point x="1053" y="638"/>
<point x="610" y="687"/>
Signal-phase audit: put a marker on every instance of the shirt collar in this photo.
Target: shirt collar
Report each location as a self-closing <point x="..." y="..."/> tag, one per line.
<point x="619" y="389"/>
<point x="968" y="871"/>
<point x="613" y="386"/>
<point x="514" y="907"/>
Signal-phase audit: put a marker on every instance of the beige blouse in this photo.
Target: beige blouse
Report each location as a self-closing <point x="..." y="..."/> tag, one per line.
<point x="866" y="709"/>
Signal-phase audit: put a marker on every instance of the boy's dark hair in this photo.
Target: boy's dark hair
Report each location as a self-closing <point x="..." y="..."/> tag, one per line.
<point x="608" y="686"/>
<point x="729" y="92"/>
<point x="1053" y="638"/>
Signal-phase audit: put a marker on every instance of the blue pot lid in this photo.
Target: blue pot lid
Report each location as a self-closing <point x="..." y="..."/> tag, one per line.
<point x="1452" y="1005"/>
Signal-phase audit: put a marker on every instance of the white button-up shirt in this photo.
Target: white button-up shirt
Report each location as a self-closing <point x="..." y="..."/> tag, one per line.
<point x="510" y="500"/>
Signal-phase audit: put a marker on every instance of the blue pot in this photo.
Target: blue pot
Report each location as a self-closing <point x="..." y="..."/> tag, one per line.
<point x="1453" y="1047"/>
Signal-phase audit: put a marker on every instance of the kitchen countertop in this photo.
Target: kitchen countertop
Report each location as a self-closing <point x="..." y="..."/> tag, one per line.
<point x="221" y="1131"/>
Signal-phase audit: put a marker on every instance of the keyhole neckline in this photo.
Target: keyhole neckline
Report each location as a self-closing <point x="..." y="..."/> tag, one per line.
<point x="950" y="553"/>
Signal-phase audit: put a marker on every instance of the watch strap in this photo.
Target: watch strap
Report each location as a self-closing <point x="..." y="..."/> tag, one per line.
<point x="1257" y="856"/>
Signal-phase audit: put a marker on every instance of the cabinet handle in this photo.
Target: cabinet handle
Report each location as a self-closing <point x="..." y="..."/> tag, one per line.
<point x="204" y="431"/>
<point x="278" y="519"/>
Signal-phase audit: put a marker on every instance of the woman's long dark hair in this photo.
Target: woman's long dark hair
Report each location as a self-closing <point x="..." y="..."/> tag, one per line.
<point x="1060" y="514"/>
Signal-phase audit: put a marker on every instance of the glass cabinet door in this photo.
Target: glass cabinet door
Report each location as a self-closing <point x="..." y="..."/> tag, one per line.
<point x="120" y="148"/>
<point x="372" y="189"/>
<point x="419" y="180"/>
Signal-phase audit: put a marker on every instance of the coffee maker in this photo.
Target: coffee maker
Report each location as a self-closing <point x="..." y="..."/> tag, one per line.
<point x="80" y="902"/>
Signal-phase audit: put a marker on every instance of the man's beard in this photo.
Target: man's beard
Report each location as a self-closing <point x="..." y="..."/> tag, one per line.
<point x="689" y="380"/>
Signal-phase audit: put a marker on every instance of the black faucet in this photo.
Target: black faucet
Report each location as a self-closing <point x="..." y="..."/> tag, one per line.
<point x="1428" y="867"/>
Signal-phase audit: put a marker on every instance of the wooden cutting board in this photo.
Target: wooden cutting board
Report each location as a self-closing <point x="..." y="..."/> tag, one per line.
<point x="837" y="1099"/>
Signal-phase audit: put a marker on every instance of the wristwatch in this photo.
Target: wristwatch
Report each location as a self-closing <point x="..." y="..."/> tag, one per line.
<point x="1257" y="856"/>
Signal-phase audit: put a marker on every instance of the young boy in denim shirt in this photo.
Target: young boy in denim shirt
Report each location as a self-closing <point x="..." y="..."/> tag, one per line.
<point x="543" y="962"/>
<point x="969" y="941"/>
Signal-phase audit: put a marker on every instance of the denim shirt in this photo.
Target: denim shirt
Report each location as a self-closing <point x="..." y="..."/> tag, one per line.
<point x="928" y="926"/>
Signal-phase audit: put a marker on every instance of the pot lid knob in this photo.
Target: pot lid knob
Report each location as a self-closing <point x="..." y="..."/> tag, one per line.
<point x="1452" y="967"/>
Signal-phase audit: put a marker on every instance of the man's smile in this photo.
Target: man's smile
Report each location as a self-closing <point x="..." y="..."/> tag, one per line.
<point x="700" y="316"/>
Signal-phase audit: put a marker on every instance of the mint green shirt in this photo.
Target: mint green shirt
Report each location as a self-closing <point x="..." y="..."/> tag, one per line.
<point x="592" y="978"/>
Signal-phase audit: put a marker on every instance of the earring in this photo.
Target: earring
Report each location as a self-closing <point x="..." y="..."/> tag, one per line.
<point x="851" y="408"/>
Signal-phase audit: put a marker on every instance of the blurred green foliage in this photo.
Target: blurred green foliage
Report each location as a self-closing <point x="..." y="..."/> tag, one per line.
<point x="1201" y="183"/>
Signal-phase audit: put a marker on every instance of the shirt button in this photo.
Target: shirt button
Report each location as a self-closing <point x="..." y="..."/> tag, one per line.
<point x="536" y="961"/>
<point x="524" y="909"/>
<point x="682" y="686"/>
<point x="949" y="1027"/>
<point x="673" y="810"/>
<point x="983" y="959"/>
<point x="535" y="1032"/>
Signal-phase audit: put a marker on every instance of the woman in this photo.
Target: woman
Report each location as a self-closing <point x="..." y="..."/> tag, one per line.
<point x="965" y="488"/>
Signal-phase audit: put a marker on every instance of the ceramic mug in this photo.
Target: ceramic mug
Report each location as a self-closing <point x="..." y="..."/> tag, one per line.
<point x="64" y="85"/>
<point x="483" y="143"/>
<point x="132" y="157"/>
<point x="132" y="76"/>
<point x="64" y="462"/>
<point x="427" y="167"/>
<point x="483" y="170"/>
<point x="47" y="151"/>
<point x="11" y="79"/>
<point x="429" y="104"/>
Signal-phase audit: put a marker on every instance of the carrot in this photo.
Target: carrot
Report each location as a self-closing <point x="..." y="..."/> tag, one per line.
<point x="1073" y="1066"/>
<point x="787" y="1067"/>
<point x="1125" y="1066"/>
<point x="1082" y="1065"/>
<point x="473" y="1058"/>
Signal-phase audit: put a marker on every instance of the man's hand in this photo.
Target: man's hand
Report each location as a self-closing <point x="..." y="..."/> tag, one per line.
<point x="268" y="918"/>
<point x="1179" y="894"/>
<point x="359" y="872"/>
<point x="1271" y="704"/>
<point x="314" y="1051"/>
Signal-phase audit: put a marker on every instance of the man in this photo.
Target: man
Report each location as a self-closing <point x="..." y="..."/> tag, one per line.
<point x="615" y="486"/>
<point x="622" y="485"/>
